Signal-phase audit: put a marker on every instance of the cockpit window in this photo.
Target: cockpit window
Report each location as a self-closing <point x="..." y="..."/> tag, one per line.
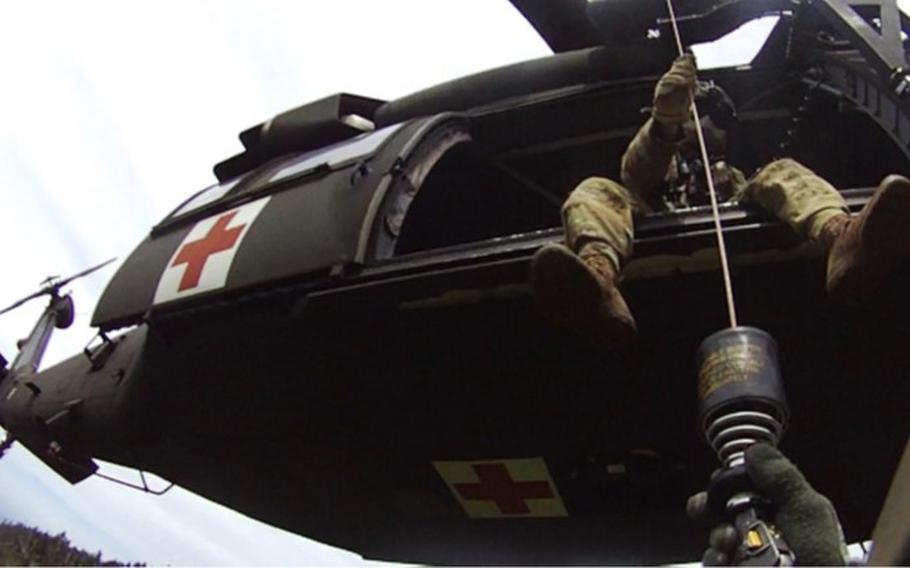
<point x="206" y="196"/>
<point x="345" y="151"/>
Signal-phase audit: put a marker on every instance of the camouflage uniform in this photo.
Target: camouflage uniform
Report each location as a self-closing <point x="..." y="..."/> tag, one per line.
<point x="599" y="211"/>
<point x="575" y="286"/>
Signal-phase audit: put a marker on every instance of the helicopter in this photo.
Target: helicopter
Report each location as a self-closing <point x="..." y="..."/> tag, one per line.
<point x="349" y="304"/>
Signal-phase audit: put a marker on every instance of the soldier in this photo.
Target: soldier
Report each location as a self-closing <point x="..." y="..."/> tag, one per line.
<point x="576" y="285"/>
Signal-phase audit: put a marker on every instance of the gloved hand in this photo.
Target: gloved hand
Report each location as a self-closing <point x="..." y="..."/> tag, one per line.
<point x="805" y="517"/>
<point x="674" y="91"/>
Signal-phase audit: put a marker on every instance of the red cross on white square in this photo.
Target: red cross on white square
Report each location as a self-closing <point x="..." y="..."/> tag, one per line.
<point x="503" y="488"/>
<point x="203" y="259"/>
<point x="495" y="484"/>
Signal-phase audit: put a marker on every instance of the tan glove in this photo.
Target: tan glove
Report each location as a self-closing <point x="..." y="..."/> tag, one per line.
<point x="674" y="91"/>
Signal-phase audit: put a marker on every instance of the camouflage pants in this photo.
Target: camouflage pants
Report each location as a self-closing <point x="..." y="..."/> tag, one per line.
<point x="599" y="211"/>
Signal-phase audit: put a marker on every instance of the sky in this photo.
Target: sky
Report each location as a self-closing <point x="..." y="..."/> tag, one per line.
<point x="112" y="113"/>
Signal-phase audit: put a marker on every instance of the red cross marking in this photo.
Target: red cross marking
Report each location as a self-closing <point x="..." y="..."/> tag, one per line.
<point x="497" y="485"/>
<point x="195" y="254"/>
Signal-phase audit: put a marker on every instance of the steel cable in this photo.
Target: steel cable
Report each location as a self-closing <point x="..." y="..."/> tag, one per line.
<point x="721" y="245"/>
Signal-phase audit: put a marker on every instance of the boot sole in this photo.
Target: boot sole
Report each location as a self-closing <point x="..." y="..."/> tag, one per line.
<point x="567" y="294"/>
<point x="885" y="241"/>
<point x="888" y="227"/>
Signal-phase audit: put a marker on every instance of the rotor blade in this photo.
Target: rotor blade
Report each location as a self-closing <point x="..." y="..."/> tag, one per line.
<point x="23" y="300"/>
<point x="66" y="281"/>
<point x="53" y="288"/>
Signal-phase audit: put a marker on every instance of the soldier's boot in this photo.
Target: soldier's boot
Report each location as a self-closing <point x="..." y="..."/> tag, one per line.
<point x="866" y="249"/>
<point x="580" y="292"/>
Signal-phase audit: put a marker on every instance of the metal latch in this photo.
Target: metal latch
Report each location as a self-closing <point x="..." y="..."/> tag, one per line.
<point x="99" y="350"/>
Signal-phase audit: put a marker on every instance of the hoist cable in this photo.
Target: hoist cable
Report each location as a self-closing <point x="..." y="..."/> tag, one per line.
<point x="721" y="245"/>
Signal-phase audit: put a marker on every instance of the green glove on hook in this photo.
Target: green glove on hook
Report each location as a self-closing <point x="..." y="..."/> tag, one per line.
<point x="805" y="517"/>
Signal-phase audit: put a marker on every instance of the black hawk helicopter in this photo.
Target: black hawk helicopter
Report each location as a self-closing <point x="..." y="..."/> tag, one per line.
<point x="338" y="338"/>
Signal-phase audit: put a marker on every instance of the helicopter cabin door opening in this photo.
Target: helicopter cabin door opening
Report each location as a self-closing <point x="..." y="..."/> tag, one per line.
<point x="452" y="193"/>
<point x="506" y="171"/>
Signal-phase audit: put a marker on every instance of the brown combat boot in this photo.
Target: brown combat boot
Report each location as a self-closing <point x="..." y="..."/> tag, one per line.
<point x="866" y="249"/>
<point x="579" y="292"/>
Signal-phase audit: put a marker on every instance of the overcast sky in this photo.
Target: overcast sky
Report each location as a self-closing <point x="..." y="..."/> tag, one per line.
<point x="111" y="113"/>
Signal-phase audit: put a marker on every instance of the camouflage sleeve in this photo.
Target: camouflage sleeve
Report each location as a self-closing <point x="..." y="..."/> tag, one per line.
<point x="645" y="163"/>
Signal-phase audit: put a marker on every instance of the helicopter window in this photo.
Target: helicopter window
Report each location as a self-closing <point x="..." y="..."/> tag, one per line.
<point x="206" y="196"/>
<point x="333" y="156"/>
<point x="336" y="154"/>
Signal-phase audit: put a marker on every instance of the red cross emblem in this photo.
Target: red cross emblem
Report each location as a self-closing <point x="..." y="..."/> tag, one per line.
<point x="503" y="488"/>
<point x="203" y="260"/>
<point x="496" y="485"/>
<point x="196" y="253"/>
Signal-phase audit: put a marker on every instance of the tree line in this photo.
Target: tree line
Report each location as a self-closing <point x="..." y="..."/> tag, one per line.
<point x="21" y="545"/>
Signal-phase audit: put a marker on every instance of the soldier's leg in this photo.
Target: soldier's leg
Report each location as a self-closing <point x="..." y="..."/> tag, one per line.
<point x="862" y="252"/>
<point x="797" y="196"/>
<point x="597" y="215"/>
<point x="576" y="285"/>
